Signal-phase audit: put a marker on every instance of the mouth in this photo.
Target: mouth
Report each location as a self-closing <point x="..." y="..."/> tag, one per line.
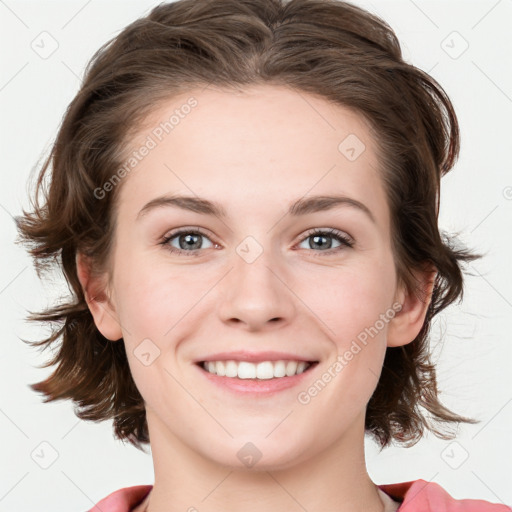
<point x="264" y="378"/>
<point x="264" y="370"/>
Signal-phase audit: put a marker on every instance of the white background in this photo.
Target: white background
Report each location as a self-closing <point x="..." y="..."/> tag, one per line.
<point x="476" y="348"/>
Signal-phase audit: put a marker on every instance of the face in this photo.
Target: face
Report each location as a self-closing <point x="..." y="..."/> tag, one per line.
<point x="269" y="272"/>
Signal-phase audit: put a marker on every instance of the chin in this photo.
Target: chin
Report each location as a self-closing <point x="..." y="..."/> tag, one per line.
<point x="258" y="453"/>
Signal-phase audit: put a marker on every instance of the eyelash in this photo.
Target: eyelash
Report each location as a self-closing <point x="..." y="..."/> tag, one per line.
<point x="331" y="232"/>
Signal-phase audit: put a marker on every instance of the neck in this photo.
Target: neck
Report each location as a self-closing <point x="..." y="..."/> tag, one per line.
<point x="334" y="478"/>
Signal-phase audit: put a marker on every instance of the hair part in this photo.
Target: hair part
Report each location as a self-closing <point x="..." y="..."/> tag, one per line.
<point x="328" y="48"/>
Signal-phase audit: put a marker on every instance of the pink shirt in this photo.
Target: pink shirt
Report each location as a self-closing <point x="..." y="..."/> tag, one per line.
<point x="413" y="496"/>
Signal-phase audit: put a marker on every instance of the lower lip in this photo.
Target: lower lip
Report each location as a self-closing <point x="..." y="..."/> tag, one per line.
<point x="257" y="387"/>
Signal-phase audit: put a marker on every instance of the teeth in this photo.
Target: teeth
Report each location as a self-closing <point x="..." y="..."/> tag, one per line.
<point x="263" y="370"/>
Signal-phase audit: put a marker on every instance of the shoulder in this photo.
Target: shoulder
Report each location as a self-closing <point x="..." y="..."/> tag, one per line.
<point x="423" y="496"/>
<point x="122" y="500"/>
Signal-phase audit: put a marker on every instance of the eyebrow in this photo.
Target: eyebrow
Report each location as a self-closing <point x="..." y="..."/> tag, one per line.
<point x="299" y="207"/>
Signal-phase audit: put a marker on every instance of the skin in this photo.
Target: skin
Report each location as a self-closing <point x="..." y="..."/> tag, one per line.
<point x="255" y="152"/>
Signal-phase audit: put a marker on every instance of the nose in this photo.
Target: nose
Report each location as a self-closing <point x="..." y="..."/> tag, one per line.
<point x="256" y="294"/>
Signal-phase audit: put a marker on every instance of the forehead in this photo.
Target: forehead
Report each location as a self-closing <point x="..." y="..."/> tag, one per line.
<point x="268" y="143"/>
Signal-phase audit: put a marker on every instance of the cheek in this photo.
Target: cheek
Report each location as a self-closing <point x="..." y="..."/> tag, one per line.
<point x="349" y="299"/>
<point x="159" y="302"/>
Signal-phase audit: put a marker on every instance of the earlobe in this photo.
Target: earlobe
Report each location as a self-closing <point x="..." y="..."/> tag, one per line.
<point x="98" y="300"/>
<point x="407" y="323"/>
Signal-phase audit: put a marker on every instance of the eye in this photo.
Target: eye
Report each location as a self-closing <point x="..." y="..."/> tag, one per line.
<point x="188" y="240"/>
<point x="319" y="236"/>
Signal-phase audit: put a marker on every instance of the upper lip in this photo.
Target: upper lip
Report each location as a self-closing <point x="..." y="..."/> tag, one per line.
<point x="243" y="355"/>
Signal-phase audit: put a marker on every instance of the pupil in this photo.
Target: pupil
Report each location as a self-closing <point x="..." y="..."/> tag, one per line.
<point x="189" y="238"/>
<point x="318" y="237"/>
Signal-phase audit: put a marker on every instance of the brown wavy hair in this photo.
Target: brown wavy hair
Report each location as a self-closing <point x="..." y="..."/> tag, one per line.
<point x="328" y="48"/>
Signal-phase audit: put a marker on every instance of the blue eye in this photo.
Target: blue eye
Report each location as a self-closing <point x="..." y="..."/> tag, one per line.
<point x="318" y="235"/>
<point x="187" y="238"/>
<point x="190" y="241"/>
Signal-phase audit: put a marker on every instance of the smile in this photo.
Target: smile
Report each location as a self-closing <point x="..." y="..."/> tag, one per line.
<point x="262" y="370"/>
<point x="257" y="379"/>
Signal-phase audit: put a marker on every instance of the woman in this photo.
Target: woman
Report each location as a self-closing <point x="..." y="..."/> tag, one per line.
<point x="244" y="197"/>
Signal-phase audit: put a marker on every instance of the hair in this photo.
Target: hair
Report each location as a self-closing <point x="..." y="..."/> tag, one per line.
<point x="328" y="48"/>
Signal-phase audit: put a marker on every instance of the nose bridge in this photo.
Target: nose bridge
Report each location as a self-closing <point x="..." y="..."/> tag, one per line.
<point x="256" y="292"/>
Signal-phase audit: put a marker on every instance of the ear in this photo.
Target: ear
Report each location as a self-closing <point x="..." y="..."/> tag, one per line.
<point x="97" y="297"/>
<point x="407" y="323"/>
